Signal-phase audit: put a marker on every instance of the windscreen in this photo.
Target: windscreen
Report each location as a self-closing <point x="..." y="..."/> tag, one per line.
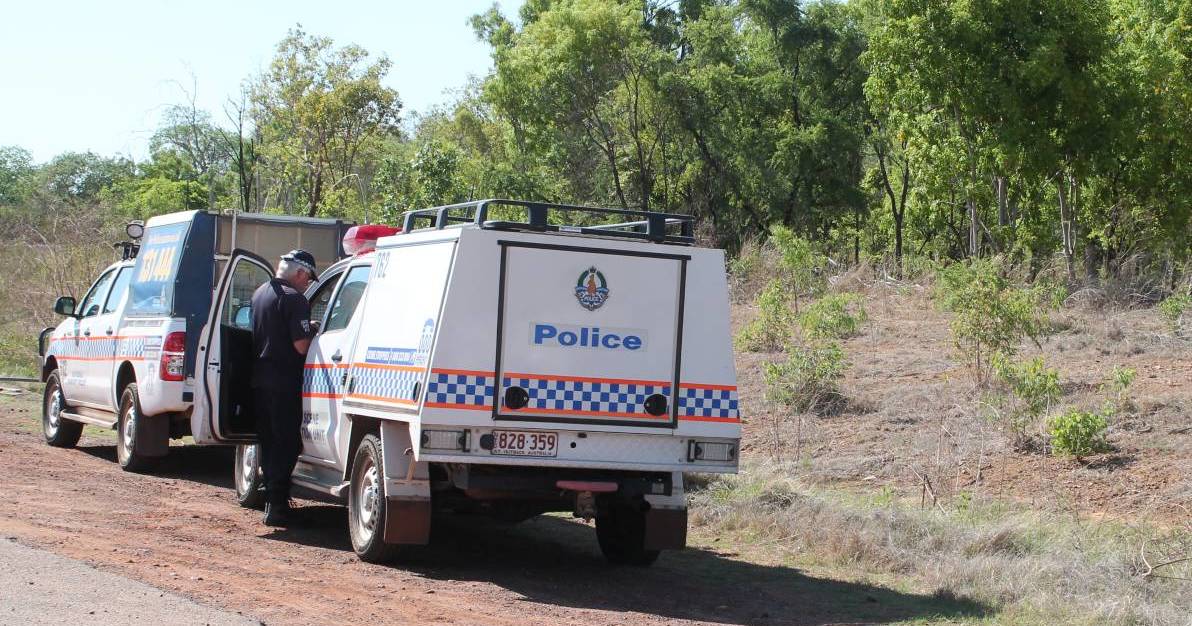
<point x="152" y="289"/>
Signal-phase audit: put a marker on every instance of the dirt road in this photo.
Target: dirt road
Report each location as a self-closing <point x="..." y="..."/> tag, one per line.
<point x="180" y="530"/>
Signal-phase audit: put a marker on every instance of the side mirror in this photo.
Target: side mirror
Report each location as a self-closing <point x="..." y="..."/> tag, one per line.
<point x="65" y="305"/>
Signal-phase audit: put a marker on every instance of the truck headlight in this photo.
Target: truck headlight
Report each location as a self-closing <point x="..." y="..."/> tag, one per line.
<point x="715" y="451"/>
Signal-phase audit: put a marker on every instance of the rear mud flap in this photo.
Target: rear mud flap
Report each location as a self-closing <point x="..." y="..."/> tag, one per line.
<point x="407" y="521"/>
<point x="666" y="529"/>
<point x="153" y="436"/>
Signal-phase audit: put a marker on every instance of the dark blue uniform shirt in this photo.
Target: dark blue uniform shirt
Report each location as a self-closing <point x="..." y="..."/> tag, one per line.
<point x="280" y="316"/>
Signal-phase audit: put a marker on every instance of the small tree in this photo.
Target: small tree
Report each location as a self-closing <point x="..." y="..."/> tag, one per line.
<point x="991" y="315"/>
<point x="1078" y="433"/>
<point x="774" y="322"/>
<point x="1036" y="388"/>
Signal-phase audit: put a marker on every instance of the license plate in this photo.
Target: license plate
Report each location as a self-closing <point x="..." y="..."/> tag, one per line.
<point x="525" y="443"/>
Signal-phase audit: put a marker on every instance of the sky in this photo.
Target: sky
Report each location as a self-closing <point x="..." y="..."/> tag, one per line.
<point x="87" y="75"/>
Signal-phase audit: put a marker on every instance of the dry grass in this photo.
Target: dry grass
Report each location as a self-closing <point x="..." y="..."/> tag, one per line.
<point x="1028" y="567"/>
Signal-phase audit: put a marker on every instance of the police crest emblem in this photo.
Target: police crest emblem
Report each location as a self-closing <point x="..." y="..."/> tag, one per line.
<point x="591" y="289"/>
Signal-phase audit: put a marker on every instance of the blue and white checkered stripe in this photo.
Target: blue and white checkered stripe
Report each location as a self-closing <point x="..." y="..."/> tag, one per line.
<point x="323" y="381"/>
<point x="701" y="402"/>
<point x="99" y="348"/>
<point x="395" y="383"/>
<point x="458" y="389"/>
<point x="611" y="398"/>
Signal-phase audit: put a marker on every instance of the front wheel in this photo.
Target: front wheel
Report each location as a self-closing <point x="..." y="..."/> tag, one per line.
<point x="366" y="504"/>
<point x="59" y="431"/>
<point x="250" y="488"/>
<point x="621" y="533"/>
<point x="126" y="433"/>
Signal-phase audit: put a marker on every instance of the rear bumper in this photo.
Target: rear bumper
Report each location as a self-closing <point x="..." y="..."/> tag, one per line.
<point x="590" y="450"/>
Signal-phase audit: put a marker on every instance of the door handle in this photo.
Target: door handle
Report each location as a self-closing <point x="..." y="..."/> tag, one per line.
<point x="86" y="333"/>
<point x="337" y="357"/>
<point x="108" y="331"/>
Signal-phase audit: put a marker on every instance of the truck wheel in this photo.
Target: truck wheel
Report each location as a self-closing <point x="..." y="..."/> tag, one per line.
<point x="59" y="431"/>
<point x="366" y="504"/>
<point x="126" y="433"/>
<point x="621" y="533"/>
<point x="250" y="491"/>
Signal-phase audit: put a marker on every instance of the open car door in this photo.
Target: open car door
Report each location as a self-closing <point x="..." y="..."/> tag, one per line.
<point x="223" y="409"/>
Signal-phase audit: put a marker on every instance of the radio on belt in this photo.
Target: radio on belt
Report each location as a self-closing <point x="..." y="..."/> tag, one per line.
<point x="528" y="365"/>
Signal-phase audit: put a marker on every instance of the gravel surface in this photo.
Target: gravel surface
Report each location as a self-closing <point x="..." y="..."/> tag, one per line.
<point x="37" y="587"/>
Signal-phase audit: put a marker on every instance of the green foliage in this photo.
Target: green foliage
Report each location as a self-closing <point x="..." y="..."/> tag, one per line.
<point x="1036" y="388"/>
<point x="1078" y="433"/>
<point x="835" y="316"/>
<point x="1117" y="389"/>
<point x="774" y="322"/>
<point x="1172" y="309"/>
<point x="991" y="316"/>
<point x="808" y="378"/>
<point x="800" y="267"/>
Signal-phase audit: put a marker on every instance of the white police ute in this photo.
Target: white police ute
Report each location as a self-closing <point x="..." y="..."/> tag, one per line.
<point x="492" y="359"/>
<point x="124" y="357"/>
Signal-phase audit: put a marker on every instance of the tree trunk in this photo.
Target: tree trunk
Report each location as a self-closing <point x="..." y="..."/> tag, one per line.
<point x="1066" y="225"/>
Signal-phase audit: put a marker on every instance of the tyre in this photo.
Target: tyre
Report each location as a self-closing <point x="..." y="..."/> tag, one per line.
<point x="126" y="433"/>
<point x="366" y="504"/>
<point x="59" y="431"/>
<point x="250" y="487"/>
<point x="621" y="533"/>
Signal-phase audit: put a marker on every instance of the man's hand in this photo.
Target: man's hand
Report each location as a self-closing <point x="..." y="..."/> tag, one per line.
<point x="315" y="326"/>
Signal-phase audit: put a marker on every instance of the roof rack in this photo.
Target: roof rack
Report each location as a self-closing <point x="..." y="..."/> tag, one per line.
<point x="649" y="226"/>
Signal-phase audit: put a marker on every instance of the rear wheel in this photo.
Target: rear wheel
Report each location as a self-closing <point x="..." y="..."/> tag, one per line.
<point x="59" y="431"/>
<point x="621" y="533"/>
<point x="126" y="433"/>
<point x="250" y="488"/>
<point x="366" y="504"/>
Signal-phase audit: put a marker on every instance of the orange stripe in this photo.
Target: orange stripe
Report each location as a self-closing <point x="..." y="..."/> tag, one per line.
<point x="324" y="366"/>
<point x="466" y="407"/>
<point x="704" y="386"/>
<point x="384" y="366"/>
<point x="97" y="358"/>
<point x="588" y="413"/>
<point x="695" y="418"/>
<point x="333" y="396"/>
<point x="361" y="396"/>
<point x="97" y="338"/>
<point x="585" y="379"/>
<point x="438" y="370"/>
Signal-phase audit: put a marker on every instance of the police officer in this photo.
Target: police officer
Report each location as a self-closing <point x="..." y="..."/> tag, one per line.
<point x="281" y="334"/>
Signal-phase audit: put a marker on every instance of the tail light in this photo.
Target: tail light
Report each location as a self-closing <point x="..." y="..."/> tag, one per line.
<point x="173" y="357"/>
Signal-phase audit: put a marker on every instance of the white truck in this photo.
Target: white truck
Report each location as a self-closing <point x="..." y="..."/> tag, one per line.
<point x="124" y="357"/>
<point x="506" y="366"/>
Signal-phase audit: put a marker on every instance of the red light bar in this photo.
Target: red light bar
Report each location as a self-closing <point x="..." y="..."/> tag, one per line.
<point x="363" y="238"/>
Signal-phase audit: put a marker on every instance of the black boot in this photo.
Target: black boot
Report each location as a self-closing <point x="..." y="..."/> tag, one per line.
<point x="277" y="512"/>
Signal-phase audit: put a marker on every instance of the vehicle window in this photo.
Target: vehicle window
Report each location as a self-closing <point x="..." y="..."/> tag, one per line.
<point x="94" y="297"/>
<point x="237" y="306"/>
<point x="156" y="267"/>
<point x="322" y="297"/>
<point x="348" y="298"/>
<point x="119" y="287"/>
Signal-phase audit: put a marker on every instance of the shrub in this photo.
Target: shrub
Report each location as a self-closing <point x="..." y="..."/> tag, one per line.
<point x="801" y="267"/>
<point x="991" y="316"/>
<point x="1036" y="387"/>
<point x="834" y="316"/>
<point x="807" y="378"/>
<point x="1172" y="309"/>
<point x="774" y="322"/>
<point x="1117" y="388"/>
<point x="1078" y="433"/>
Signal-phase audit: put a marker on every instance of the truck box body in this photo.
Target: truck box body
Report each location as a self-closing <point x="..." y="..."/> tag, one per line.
<point x="590" y="329"/>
